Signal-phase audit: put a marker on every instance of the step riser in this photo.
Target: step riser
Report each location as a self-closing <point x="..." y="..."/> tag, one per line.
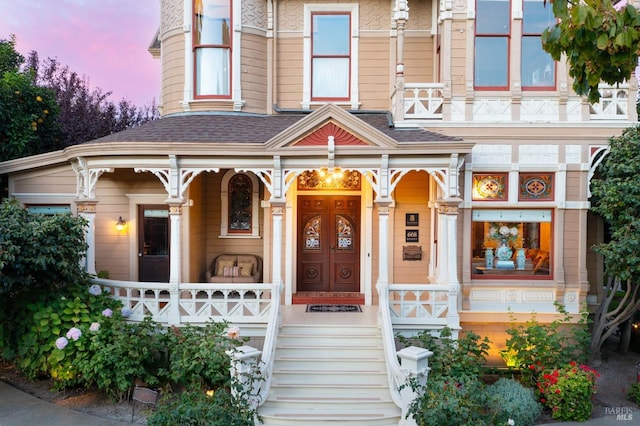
<point x="322" y="340"/>
<point x="325" y="375"/>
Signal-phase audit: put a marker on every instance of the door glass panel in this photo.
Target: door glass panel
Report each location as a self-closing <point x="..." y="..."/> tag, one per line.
<point x="344" y="233"/>
<point x="312" y="230"/>
<point x="156" y="235"/>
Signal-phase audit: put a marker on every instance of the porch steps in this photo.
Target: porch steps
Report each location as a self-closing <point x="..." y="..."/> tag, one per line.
<point x="327" y="298"/>
<point x="329" y="375"/>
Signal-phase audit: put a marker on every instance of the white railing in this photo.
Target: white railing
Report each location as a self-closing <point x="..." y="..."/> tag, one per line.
<point x="613" y="104"/>
<point x="269" y="347"/>
<point x="396" y="376"/>
<point x="422" y="101"/>
<point x="424" y="306"/>
<point x="195" y="303"/>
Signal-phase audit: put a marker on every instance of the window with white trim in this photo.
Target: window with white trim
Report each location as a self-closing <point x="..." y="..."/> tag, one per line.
<point x="512" y="244"/>
<point x="240" y="202"/>
<point x="538" y="68"/>
<point x="212" y="48"/>
<point x="330" y="54"/>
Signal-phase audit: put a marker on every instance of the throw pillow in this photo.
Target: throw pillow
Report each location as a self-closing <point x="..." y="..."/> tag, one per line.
<point x="222" y="264"/>
<point x="246" y="269"/>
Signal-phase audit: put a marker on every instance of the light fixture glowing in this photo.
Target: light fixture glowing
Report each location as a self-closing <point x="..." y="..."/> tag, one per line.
<point x="121" y="224"/>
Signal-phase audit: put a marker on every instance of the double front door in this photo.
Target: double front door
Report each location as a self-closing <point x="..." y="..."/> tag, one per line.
<point x="328" y="243"/>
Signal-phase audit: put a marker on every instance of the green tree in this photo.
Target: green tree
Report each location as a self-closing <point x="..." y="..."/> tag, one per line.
<point x="28" y="113"/>
<point x="601" y="42"/>
<point x="616" y="197"/>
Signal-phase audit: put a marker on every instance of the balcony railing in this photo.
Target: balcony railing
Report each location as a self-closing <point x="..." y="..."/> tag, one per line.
<point x="613" y="105"/>
<point x="422" y="101"/>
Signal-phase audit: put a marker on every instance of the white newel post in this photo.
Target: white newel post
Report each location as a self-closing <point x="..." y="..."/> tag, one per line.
<point x="244" y="368"/>
<point x="414" y="361"/>
<point x="175" y="260"/>
<point x="87" y="210"/>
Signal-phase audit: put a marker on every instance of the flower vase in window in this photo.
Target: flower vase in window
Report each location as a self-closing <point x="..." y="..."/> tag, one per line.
<point x="503" y="253"/>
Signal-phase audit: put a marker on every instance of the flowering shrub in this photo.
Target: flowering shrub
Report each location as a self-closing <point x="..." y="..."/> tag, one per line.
<point x="568" y="391"/>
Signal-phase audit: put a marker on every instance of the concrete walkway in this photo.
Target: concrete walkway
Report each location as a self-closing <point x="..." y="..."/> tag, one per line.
<point x="18" y="408"/>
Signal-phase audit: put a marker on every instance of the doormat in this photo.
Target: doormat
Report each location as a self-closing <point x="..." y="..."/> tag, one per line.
<point x="333" y="308"/>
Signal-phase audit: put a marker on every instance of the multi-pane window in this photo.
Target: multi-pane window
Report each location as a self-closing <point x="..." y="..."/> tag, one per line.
<point x="538" y="68"/>
<point x="212" y="47"/>
<point x="330" y="56"/>
<point x="512" y="244"/>
<point x="493" y="31"/>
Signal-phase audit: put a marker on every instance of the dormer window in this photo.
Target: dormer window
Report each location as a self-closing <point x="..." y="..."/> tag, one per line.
<point x="212" y="48"/>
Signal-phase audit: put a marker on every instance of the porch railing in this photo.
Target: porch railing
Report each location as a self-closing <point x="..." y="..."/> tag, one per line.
<point x="613" y="104"/>
<point x="423" y="306"/>
<point x="195" y="303"/>
<point x="422" y="101"/>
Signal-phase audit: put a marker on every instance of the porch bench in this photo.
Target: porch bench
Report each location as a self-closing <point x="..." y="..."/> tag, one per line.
<point x="235" y="268"/>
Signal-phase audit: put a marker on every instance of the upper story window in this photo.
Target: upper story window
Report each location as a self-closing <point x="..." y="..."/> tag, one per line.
<point x="330" y="61"/>
<point x="538" y="68"/>
<point x="493" y="32"/>
<point x="331" y="56"/>
<point x="212" y="48"/>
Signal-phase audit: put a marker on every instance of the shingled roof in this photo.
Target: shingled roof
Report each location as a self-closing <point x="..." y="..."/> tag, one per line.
<point x="248" y="128"/>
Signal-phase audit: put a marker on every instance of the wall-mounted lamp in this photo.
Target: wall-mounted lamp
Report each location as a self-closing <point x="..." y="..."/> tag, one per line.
<point x="121" y="224"/>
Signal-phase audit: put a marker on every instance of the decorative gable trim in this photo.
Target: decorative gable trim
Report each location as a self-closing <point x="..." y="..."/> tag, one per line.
<point x="321" y="135"/>
<point x="318" y="122"/>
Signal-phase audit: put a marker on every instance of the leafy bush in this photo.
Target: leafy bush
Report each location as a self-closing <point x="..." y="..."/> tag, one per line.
<point x="121" y="353"/>
<point x="512" y="400"/>
<point x="463" y="357"/>
<point x="46" y="322"/>
<point x="568" y="392"/>
<point x="452" y="401"/>
<point x="198" y="355"/>
<point x="634" y="393"/>
<point x="536" y="346"/>
<point x="198" y="408"/>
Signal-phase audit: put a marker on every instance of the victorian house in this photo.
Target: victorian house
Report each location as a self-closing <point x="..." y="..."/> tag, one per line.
<point x="425" y="160"/>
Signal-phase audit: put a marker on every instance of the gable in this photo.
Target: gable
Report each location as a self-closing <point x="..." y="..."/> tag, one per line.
<point x="331" y="121"/>
<point x="321" y="136"/>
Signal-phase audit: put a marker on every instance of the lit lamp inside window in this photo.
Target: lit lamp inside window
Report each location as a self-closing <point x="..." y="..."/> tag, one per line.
<point x="331" y="175"/>
<point x="121" y="224"/>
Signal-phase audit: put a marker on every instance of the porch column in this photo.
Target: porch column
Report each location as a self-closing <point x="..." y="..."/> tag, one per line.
<point x="277" y="211"/>
<point x="175" y="259"/>
<point x="87" y="210"/>
<point x="448" y="213"/>
<point x="383" y="245"/>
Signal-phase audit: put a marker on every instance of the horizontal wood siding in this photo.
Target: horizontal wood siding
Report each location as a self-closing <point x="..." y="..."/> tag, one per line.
<point x="458" y="59"/>
<point x="410" y="200"/>
<point x="418" y="59"/>
<point x="173" y="73"/>
<point x="374" y="72"/>
<point x="196" y="230"/>
<point x="214" y="244"/>
<point x="572" y="244"/>
<point x="289" y="71"/>
<point x="576" y="189"/>
<point x="254" y="73"/>
<point x="58" y="180"/>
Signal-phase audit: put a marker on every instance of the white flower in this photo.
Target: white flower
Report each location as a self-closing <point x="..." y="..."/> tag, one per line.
<point x="504" y="230"/>
<point x="514" y="231"/>
<point x="233" y="332"/>
<point x="511" y="422"/>
<point x="95" y="326"/>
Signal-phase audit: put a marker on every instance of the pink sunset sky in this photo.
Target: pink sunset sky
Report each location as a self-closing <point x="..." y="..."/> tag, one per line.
<point x="104" y="40"/>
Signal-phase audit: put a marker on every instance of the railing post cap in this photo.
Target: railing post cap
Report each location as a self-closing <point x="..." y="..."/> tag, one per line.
<point x="414" y="353"/>
<point x="245" y="352"/>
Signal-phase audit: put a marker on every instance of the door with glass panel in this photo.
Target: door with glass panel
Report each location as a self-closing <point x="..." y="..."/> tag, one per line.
<point x="153" y="243"/>
<point x="328" y="243"/>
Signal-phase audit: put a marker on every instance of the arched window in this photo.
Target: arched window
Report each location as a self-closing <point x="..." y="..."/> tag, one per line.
<point x="240" y="202"/>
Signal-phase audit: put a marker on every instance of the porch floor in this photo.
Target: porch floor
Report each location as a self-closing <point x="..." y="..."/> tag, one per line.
<point x="296" y="314"/>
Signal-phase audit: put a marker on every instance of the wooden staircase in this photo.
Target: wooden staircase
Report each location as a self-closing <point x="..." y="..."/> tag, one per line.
<point x="329" y="374"/>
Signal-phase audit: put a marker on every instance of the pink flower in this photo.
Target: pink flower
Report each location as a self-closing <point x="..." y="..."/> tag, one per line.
<point x="61" y="342"/>
<point x="95" y="326"/>
<point x="107" y="313"/>
<point x="74" y="333"/>
<point x="233" y="332"/>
